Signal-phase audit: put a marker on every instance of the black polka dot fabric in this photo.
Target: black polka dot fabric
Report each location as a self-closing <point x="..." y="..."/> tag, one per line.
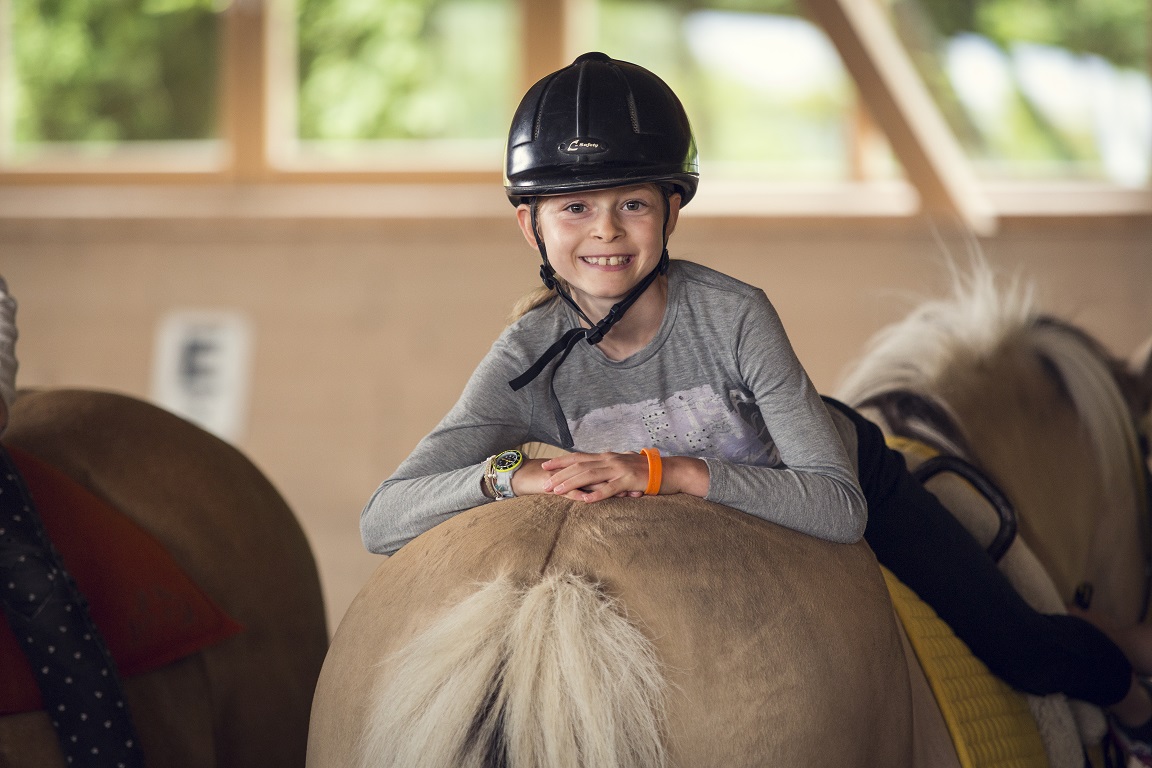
<point x="74" y="671"/>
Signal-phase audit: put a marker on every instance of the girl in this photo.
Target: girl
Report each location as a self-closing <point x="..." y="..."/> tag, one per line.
<point x="685" y="364"/>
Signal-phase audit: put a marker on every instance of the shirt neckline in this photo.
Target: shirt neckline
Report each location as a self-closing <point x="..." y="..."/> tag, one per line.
<point x="671" y="309"/>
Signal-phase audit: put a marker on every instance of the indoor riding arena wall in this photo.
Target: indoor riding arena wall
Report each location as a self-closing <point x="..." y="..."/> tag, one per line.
<point x="364" y="330"/>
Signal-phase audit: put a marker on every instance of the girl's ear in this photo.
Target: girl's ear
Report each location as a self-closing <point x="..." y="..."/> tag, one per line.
<point x="524" y="219"/>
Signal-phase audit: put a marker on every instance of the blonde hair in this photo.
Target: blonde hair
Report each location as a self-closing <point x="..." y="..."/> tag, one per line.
<point x="537" y="297"/>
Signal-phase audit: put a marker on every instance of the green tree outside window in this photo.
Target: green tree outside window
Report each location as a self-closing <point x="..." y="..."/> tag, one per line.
<point x="112" y="70"/>
<point x="764" y="88"/>
<point x="1039" y="88"/>
<point x="405" y="69"/>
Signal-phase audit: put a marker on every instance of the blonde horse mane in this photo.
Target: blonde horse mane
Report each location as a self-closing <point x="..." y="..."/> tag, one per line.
<point x="912" y="354"/>
<point x="980" y="318"/>
<point x="1092" y="387"/>
<point x="552" y="674"/>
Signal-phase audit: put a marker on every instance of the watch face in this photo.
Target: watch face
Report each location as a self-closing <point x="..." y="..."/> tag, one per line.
<point x="508" y="461"/>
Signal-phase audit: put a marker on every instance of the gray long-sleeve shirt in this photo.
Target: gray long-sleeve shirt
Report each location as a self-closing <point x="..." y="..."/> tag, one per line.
<point x="720" y="381"/>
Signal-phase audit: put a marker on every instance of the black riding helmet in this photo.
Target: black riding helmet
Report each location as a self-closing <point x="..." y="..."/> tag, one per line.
<point x="596" y="124"/>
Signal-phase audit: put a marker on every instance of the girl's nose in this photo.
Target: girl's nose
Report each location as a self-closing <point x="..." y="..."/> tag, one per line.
<point x="606" y="226"/>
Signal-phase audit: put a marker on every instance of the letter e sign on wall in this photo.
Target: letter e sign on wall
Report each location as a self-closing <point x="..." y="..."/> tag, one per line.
<point x="200" y="369"/>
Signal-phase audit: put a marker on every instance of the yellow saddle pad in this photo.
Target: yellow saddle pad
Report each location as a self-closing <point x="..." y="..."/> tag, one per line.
<point x="988" y="720"/>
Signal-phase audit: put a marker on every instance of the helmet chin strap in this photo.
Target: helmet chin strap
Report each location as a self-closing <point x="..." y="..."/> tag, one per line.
<point x="593" y="334"/>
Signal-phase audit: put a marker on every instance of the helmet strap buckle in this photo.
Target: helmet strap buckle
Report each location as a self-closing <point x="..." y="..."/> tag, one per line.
<point x="548" y="276"/>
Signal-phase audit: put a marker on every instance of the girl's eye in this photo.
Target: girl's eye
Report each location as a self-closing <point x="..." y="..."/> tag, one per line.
<point x="575" y="208"/>
<point x="634" y="205"/>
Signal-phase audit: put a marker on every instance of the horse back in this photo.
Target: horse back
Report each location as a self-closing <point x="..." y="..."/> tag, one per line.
<point x="778" y="648"/>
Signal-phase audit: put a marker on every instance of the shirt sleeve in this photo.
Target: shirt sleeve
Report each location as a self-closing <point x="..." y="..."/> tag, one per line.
<point x="814" y="490"/>
<point x="8" y="334"/>
<point x="442" y="476"/>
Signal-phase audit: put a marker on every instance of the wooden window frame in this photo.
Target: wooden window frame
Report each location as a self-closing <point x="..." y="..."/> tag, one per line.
<point x="940" y="180"/>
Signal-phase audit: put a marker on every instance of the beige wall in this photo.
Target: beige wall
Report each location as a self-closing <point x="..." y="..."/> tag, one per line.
<point x="366" y="330"/>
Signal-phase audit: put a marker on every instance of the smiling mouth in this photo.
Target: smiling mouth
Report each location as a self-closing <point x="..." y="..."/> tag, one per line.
<point x="606" y="261"/>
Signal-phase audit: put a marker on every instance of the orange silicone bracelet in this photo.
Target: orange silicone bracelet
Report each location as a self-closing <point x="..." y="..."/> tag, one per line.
<point x="655" y="471"/>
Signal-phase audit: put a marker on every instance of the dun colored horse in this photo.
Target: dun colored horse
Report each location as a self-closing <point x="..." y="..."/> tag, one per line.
<point x="982" y="390"/>
<point x="242" y="702"/>
<point x="669" y="631"/>
<point x="1044" y="411"/>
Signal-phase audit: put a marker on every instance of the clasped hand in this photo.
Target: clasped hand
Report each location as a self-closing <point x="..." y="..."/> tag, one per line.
<point x="584" y="476"/>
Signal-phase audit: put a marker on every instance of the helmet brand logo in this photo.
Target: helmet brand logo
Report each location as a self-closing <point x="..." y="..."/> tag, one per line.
<point x="583" y="146"/>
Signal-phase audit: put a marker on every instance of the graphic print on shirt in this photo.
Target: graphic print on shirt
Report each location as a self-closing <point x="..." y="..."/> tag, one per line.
<point x="750" y="415"/>
<point x="694" y="422"/>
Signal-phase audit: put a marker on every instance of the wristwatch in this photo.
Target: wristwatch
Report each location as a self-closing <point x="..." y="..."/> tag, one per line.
<point x="501" y="468"/>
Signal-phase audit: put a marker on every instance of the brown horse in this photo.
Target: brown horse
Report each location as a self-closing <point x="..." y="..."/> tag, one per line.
<point x="1041" y="408"/>
<point x="631" y="632"/>
<point x="243" y="701"/>
<point x="981" y="387"/>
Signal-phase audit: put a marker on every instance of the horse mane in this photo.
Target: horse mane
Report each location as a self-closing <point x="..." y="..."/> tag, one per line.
<point x="912" y="356"/>
<point x="1090" y="376"/>
<point x="980" y="318"/>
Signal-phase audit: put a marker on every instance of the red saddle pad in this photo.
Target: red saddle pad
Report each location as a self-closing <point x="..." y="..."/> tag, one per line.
<point x="148" y="610"/>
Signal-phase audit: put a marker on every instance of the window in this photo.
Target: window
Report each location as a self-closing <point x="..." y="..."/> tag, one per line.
<point x="763" y="85"/>
<point x="401" y="84"/>
<point x="783" y="94"/>
<point x="1039" y="90"/>
<point x="80" y="81"/>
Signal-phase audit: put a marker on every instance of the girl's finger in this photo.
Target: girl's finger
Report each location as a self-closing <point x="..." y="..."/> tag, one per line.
<point x="567" y="460"/>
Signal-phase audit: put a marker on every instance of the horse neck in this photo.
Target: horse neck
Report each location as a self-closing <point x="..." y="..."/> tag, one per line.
<point x="1089" y="378"/>
<point x="1044" y="416"/>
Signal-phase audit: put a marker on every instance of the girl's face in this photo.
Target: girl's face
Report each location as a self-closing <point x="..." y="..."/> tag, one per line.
<point x="602" y="243"/>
